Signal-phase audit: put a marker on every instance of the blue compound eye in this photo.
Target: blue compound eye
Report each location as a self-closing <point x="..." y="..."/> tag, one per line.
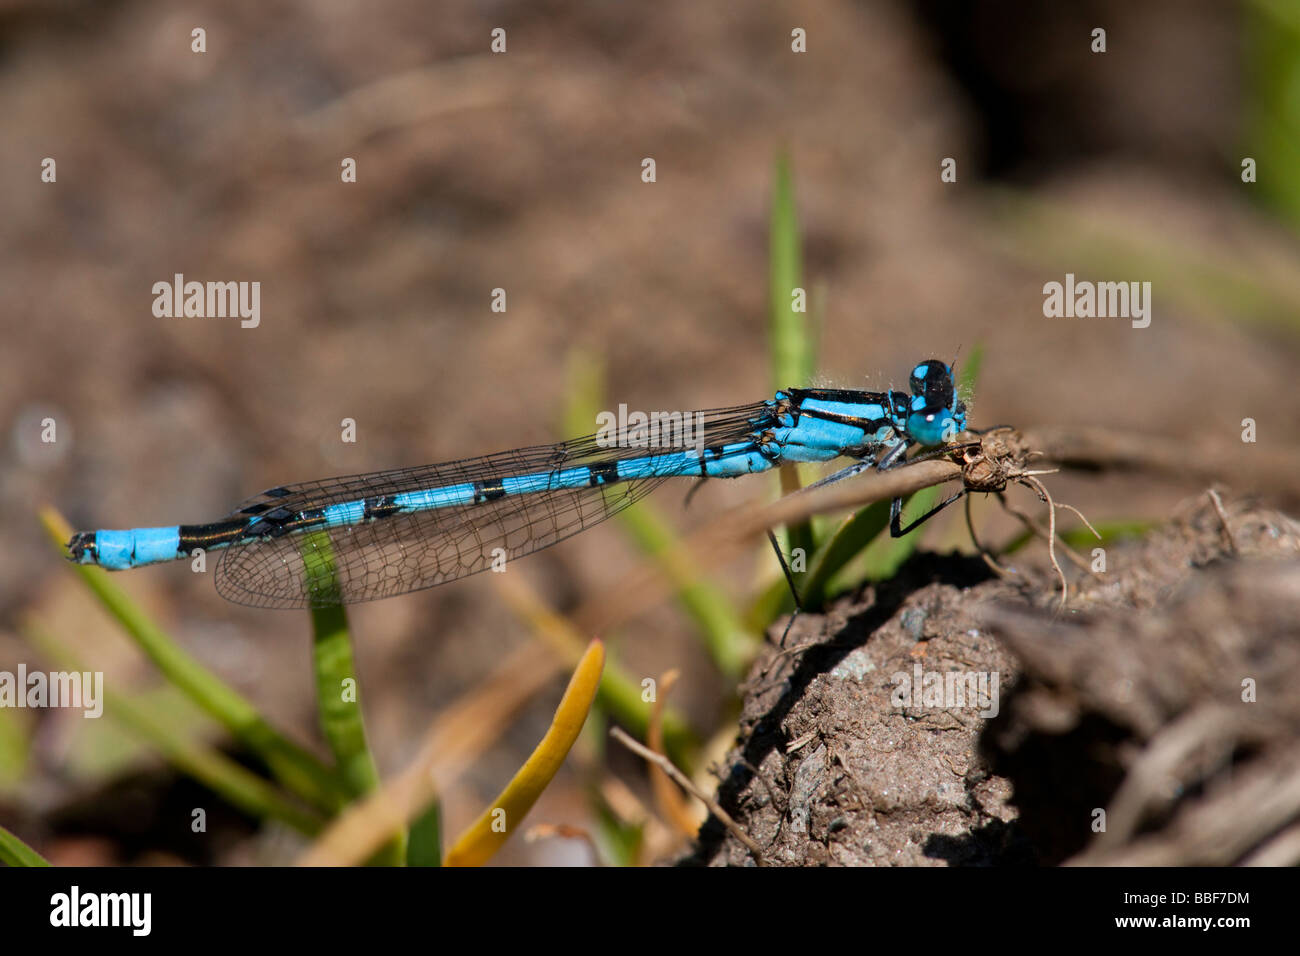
<point x="932" y="381"/>
<point x="929" y="374"/>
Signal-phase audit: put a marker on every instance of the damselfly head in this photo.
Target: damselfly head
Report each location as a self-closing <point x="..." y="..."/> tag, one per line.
<point x="936" y="414"/>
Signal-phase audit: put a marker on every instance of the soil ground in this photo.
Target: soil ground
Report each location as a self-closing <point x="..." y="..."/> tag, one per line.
<point x="1166" y="694"/>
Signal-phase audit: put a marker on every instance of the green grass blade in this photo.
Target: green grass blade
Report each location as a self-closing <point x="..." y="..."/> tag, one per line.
<point x="1272" y="113"/>
<point x="15" y="748"/>
<point x="299" y="771"/>
<point x="887" y="554"/>
<point x="237" y="785"/>
<point x="856" y="533"/>
<point x="338" y="693"/>
<point x="790" y="332"/>
<point x="337" y="701"/>
<point x="621" y="842"/>
<point x="424" y="848"/>
<point x="14" y="852"/>
<point x="772" y="602"/>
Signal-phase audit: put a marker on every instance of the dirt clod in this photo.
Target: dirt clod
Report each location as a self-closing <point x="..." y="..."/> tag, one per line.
<point x="950" y="717"/>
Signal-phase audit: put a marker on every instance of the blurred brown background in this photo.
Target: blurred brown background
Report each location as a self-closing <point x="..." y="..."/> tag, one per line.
<point x="522" y="171"/>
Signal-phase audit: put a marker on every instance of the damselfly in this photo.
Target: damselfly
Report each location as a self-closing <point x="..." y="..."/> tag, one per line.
<point x="392" y="532"/>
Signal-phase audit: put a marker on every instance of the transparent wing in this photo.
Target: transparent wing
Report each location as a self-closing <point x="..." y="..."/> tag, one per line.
<point x="395" y="553"/>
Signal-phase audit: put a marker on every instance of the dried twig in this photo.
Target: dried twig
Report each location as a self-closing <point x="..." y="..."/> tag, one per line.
<point x="984" y="552"/>
<point x="683" y="781"/>
<point x="672" y="806"/>
<point x="1223" y="520"/>
<point x="1266" y="469"/>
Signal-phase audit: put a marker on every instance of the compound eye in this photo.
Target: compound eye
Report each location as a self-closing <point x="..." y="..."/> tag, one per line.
<point x="932" y="380"/>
